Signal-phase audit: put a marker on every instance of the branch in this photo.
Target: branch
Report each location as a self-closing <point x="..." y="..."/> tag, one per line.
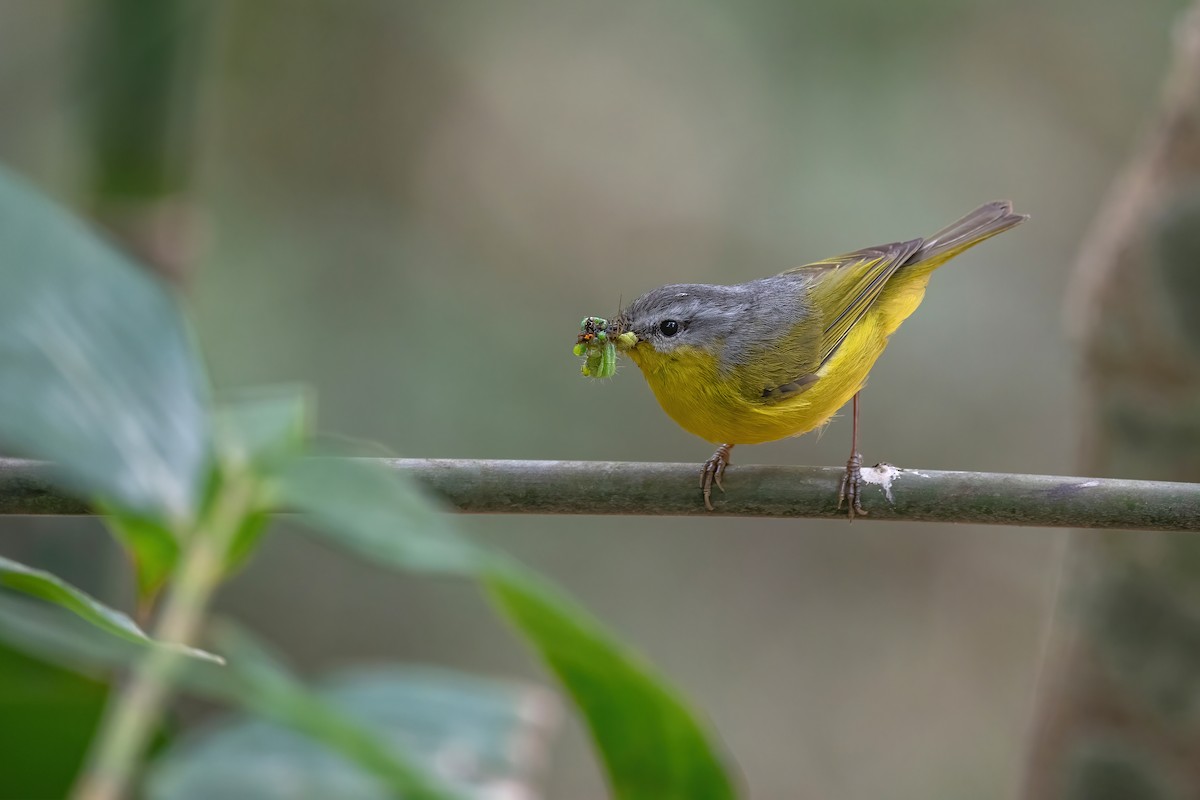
<point x="602" y="487"/>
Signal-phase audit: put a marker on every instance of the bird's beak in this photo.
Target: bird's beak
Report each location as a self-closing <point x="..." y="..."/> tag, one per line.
<point x="618" y="331"/>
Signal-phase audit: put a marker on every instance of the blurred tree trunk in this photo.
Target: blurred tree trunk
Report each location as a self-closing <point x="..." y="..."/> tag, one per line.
<point x="142" y="76"/>
<point x="1119" y="711"/>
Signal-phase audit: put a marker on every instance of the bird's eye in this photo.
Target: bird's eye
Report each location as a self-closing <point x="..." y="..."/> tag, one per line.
<point x="669" y="327"/>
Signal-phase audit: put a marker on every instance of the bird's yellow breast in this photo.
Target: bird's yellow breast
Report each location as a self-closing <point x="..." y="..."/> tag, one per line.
<point x="713" y="404"/>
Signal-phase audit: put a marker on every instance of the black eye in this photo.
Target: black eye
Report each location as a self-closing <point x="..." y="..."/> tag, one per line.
<point x="669" y="327"/>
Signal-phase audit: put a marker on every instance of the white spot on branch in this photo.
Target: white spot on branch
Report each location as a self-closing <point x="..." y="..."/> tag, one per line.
<point x="882" y="475"/>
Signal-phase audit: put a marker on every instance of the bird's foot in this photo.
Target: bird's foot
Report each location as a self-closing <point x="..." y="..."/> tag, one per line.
<point x="851" y="491"/>
<point x="714" y="470"/>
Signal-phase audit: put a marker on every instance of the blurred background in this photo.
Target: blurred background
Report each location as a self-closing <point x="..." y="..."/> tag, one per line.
<point x="409" y="206"/>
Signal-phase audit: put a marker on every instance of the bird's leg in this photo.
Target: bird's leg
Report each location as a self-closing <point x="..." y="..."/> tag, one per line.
<point x="712" y="473"/>
<point x="851" y="491"/>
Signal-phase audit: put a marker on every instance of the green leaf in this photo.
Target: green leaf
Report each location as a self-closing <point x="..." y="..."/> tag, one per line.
<point x="652" y="745"/>
<point x="264" y="426"/>
<point x="57" y="636"/>
<point x="376" y="514"/>
<point x="246" y="540"/>
<point x="478" y="733"/>
<point x="482" y="732"/>
<point x="49" y="717"/>
<point x="152" y="547"/>
<point x="97" y="369"/>
<point x="264" y="685"/>
<point x="49" y="587"/>
<point x="261" y="429"/>
<point x="367" y="732"/>
<point x="257" y="429"/>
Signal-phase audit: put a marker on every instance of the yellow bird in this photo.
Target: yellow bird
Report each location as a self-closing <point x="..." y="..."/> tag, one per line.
<point x="777" y="357"/>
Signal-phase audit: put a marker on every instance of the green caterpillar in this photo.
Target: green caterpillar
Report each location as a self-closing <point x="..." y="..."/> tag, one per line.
<point x="596" y="348"/>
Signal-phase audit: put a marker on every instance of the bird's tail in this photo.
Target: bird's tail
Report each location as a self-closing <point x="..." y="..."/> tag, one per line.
<point x="982" y="223"/>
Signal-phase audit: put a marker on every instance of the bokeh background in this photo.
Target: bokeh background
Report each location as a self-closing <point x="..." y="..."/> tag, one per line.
<point x="410" y="205"/>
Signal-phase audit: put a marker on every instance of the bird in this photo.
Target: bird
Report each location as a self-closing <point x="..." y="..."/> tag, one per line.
<point x="779" y="356"/>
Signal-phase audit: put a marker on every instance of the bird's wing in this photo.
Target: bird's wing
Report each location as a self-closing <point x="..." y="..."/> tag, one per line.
<point x="841" y="290"/>
<point x="845" y="287"/>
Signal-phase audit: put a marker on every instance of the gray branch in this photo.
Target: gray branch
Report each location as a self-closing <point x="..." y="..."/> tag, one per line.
<point x="599" y="487"/>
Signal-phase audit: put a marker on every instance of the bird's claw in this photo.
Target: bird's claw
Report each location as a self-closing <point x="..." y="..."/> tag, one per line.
<point x="714" y="470"/>
<point x="850" y="492"/>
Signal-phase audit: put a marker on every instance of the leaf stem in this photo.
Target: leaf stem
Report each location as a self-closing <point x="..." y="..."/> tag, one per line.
<point x="133" y="715"/>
